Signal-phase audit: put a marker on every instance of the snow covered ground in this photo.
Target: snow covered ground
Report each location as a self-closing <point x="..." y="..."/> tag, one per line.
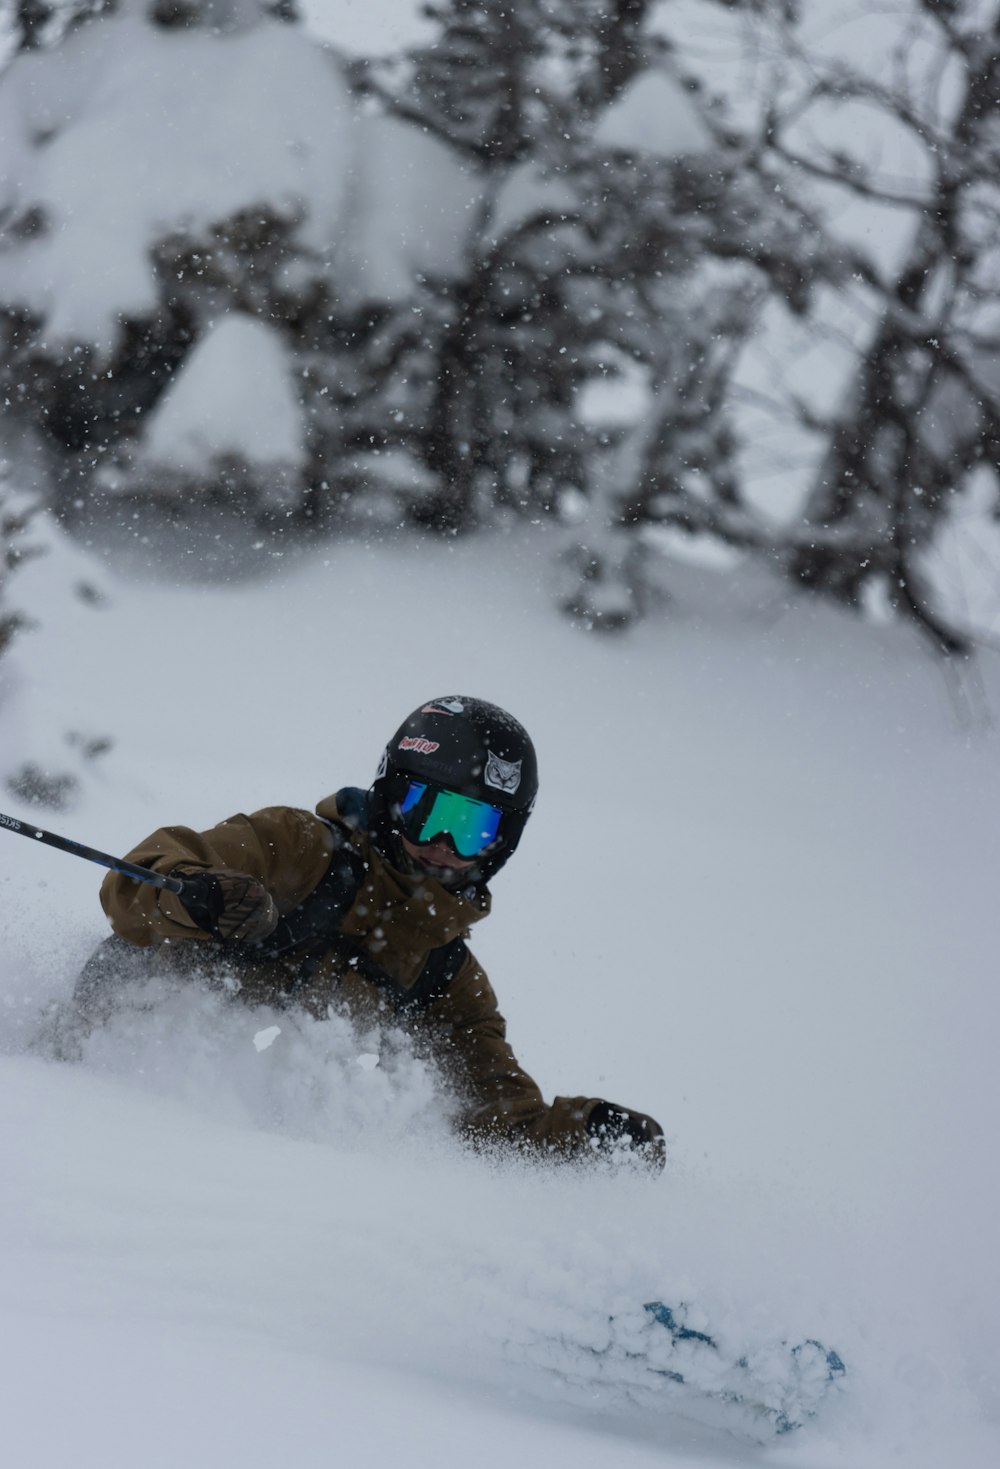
<point x="757" y="899"/>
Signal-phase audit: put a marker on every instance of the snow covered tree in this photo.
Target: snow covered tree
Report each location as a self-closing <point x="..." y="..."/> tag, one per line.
<point x="918" y="422"/>
<point x="44" y="755"/>
<point x="503" y="74"/>
<point x="140" y="119"/>
<point x="711" y="241"/>
<point x="507" y="85"/>
<point x="597" y="213"/>
<point x="16" y="511"/>
<point x="922" y="415"/>
<point x="25" y="778"/>
<point x="33" y="24"/>
<point x="471" y="87"/>
<point x="307" y="218"/>
<point x="410" y="299"/>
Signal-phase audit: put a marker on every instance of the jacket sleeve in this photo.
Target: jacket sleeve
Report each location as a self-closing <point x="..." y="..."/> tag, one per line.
<point x="499" y="1100"/>
<point x="286" y="849"/>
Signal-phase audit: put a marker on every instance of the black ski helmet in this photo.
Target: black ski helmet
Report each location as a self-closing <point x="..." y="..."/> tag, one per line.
<point x="464" y="745"/>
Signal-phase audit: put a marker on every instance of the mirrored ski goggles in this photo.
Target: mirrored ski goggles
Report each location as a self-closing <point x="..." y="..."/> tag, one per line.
<point x="430" y="811"/>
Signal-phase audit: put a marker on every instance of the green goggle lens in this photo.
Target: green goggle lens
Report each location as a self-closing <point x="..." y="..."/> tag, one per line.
<point x="430" y="811"/>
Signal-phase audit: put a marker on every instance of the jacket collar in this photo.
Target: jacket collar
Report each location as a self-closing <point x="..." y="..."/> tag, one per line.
<point x="417" y="903"/>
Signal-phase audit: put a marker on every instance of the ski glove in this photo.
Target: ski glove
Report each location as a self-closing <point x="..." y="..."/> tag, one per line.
<point x="614" y="1127"/>
<point x="231" y="906"/>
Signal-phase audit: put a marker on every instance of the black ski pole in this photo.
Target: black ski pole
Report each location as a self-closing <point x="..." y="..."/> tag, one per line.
<point x="77" y="849"/>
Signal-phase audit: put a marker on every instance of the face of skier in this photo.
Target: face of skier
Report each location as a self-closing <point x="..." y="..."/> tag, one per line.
<point x="437" y="858"/>
<point x="444" y="833"/>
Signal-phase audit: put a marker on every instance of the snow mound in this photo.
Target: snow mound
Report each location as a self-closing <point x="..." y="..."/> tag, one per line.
<point x="416" y="206"/>
<point x="654" y="114"/>
<point x="126" y="134"/>
<point x="234" y="396"/>
<point x="529" y="190"/>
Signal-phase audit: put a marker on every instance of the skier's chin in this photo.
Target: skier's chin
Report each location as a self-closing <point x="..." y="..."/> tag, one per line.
<point x="448" y="877"/>
<point x="436" y="860"/>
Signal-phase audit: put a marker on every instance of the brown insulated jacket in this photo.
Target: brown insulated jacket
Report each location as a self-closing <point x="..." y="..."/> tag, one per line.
<point x="377" y="962"/>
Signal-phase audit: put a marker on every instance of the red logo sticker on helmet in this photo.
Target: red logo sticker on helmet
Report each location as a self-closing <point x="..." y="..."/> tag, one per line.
<point x="419" y="744"/>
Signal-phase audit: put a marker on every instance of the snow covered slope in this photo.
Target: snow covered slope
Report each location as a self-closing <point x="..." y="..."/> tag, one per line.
<point x="756" y="900"/>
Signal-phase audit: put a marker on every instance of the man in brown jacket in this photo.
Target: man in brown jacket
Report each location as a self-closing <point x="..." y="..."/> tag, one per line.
<point x="367" y="903"/>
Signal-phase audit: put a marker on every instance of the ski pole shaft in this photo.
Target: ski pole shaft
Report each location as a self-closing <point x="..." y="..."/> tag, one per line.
<point x="77" y="849"/>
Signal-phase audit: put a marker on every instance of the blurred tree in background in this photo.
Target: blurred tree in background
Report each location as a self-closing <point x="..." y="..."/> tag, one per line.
<point x="628" y="229"/>
<point x="16" y="511"/>
<point x="34" y="24"/>
<point x="922" y="415"/>
<point x="529" y="269"/>
<point x="44" y="763"/>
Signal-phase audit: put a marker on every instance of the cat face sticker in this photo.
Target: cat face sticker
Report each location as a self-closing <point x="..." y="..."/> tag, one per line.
<point x="502" y="775"/>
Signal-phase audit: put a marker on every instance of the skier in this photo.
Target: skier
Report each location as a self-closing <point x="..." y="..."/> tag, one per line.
<point x="367" y="904"/>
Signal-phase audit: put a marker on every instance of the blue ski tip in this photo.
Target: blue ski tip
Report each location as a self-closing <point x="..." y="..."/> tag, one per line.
<point x="834" y="1362"/>
<point x="663" y="1315"/>
<point x="811" y="1367"/>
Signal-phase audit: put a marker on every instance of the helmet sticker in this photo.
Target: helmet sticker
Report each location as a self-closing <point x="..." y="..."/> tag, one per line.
<point x="502" y="775"/>
<point x="383" y="764"/>
<point x="418" y="743"/>
<point x="444" y="706"/>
